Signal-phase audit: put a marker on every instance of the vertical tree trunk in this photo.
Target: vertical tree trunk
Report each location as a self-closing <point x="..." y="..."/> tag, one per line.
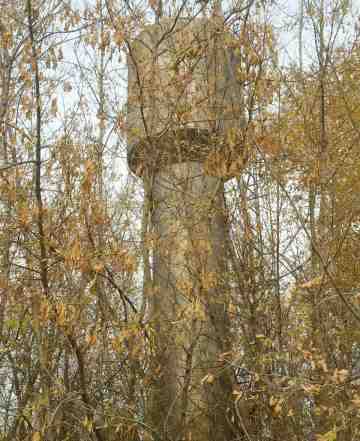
<point x="5" y="77"/>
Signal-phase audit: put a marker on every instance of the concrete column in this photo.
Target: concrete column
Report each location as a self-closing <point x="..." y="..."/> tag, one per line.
<point x="191" y="383"/>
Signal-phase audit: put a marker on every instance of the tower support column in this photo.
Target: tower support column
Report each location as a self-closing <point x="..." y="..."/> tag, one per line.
<point x="190" y="380"/>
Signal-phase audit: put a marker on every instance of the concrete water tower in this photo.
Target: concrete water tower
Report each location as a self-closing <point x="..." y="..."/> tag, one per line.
<point x="183" y="125"/>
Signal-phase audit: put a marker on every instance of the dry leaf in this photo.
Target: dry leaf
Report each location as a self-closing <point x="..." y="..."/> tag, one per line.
<point x="36" y="436"/>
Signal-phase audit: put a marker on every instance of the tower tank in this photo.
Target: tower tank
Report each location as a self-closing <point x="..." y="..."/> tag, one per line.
<point x="183" y="97"/>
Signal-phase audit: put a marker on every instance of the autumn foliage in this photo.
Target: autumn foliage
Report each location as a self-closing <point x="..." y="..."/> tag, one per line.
<point x="80" y="356"/>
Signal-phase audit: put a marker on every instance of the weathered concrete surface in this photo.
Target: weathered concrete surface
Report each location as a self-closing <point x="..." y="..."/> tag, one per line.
<point x="191" y="388"/>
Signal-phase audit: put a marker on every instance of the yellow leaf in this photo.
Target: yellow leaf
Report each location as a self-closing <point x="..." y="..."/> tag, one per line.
<point x="24" y="216"/>
<point x="60" y="309"/>
<point x="91" y="339"/>
<point x="129" y="263"/>
<point x="322" y="364"/>
<point x="276" y="405"/>
<point x="88" y="424"/>
<point x="44" y="311"/>
<point x="273" y="401"/>
<point x="75" y="252"/>
<point x="6" y="40"/>
<point x="311" y="389"/>
<point x="277" y="409"/>
<point x="209" y="378"/>
<point x="356" y="400"/>
<point x="340" y="375"/>
<point x="307" y="355"/>
<point x="119" y="38"/>
<point x="238" y="394"/>
<point x="328" y="436"/>
<point x="36" y="436"/>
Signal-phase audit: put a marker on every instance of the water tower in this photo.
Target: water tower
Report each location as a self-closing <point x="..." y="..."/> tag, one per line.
<point x="183" y="125"/>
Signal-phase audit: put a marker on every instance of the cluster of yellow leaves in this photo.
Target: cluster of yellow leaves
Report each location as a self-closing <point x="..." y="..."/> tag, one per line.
<point x="24" y="215"/>
<point x="185" y="286"/>
<point x="63" y="314"/>
<point x="73" y="255"/>
<point x="316" y="282"/>
<point x="209" y="279"/>
<point x="130" y="339"/>
<point x="311" y="389"/>
<point x="119" y="37"/>
<point x="6" y="40"/>
<point x="88" y="176"/>
<point x="197" y="309"/>
<point x="88" y="424"/>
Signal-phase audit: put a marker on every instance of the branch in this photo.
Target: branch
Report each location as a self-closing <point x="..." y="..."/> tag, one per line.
<point x="39" y="201"/>
<point x="16" y="164"/>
